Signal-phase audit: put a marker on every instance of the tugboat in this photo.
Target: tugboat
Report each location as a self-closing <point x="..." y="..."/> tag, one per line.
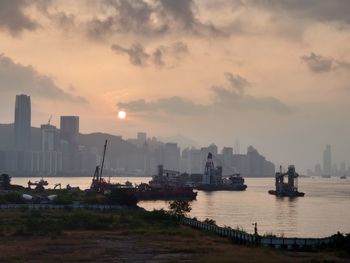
<point x="213" y="180"/>
<point x="289" y="189"/>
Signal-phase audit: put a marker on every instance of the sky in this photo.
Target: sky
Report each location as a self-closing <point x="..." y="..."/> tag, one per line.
<point x="270" y="73"/>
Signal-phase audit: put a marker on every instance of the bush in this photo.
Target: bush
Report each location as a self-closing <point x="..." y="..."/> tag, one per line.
<point x="180" y="208"/>
<point x="210" y="221"/>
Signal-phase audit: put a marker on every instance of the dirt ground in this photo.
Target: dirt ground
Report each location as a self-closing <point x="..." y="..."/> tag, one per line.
<point x="122" y="246"/>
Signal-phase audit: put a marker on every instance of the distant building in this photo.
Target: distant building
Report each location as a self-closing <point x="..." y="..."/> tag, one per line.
<point x="318" y="169"/>
<point x="141" y="138"/>
<point x="22" y="127"/>
<point x="171" y="158"/>
<point x="46" y="163"/>
<point x="213" y="149"/>
<point x="49" y="138"/>
<point x="342" y="168"/>
<point x="227" y="160"/>
<point x="69" y="131"/>
<point x="327" y="161"/>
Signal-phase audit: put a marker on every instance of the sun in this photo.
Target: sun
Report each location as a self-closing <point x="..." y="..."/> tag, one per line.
<point x="121" y="114"/>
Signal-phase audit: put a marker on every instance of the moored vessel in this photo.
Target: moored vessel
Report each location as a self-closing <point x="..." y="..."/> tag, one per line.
<point x="164" y="186"/>
<point x="289" y="189"/>
<point x="213" y="180"/>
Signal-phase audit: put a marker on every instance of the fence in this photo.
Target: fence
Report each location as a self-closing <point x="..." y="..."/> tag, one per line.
<point x="246" y="238"/>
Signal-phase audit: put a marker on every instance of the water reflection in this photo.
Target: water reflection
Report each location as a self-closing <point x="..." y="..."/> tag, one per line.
<point x="286" y="215"/>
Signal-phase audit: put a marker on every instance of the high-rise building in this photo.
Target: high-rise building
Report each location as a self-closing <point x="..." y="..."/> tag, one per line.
<point x="22" y="134"/>
<point x="227" y="160"/>
<point x="69" y="131"/>
<point x="49" y="138"/>
<point x="327" y="161"/>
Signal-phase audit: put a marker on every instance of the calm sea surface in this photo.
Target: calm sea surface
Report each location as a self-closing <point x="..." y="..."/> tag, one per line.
<point x="323" y="211"/>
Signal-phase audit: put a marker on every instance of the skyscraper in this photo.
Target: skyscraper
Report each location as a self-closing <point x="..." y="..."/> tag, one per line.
<point x="69" y="131"/>
<point x="22" y="134"/>
<point x="69" y="136"/>
<point x="327" y="161"/>
<point x="49" y="138"/>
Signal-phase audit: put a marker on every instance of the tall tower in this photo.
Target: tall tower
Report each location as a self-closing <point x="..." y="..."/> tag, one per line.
<point x="69" y="131"/>
<point x="327" y="161"/>
<point x="22" y="134"/>
<point x="49" y="138"/>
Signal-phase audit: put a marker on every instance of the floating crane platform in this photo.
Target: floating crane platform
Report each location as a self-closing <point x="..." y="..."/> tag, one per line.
<point x="289" y="189"/>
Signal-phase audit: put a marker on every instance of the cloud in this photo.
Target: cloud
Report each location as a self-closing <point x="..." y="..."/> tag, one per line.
<point x="150" y="18"/>
<point x="170" y="105"/>
<point x="226" y="99"/>
<point x="162" y="56"/>
<point x="320" y="64"/>
<point x="136" y="52"/>
<point x="13" y="19"/>
<point x="234" y="97"/>
<point x="60" y="18"/>
<point x="17" y="78"/>
<point x="316" y="10"/>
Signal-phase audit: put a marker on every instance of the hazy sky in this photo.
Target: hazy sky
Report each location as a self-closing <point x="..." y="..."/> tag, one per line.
<point x="271" y="73"/>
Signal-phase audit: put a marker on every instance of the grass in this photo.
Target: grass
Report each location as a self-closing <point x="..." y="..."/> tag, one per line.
<point x="67" y="197"/>
<point x="126" y="235"/>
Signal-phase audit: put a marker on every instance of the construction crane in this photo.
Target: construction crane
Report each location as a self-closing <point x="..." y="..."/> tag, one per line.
<point x="98" y="183"/>
<point x="49" y="121"/>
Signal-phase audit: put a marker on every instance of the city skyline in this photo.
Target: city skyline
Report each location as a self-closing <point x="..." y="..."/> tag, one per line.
<point x="175" y="130"/>
<point x="63" y="152"/>
<point x="270" y="74"/>
<point x="60" y="147"/>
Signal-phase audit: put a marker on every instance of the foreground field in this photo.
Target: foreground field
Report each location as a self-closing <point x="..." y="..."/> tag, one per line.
<point x="126" y="236"/>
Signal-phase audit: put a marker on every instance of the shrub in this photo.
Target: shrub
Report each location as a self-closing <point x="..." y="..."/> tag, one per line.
<point x="210" y="221"/>
<point x="180" y="208"/>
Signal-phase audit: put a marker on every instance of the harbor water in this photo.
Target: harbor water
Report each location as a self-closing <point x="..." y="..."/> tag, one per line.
<point x="323" y="211"/>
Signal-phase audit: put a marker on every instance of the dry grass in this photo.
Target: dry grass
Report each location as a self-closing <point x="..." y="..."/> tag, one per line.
<point x="114" y="246"/>
<point x="136" y="240"/>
